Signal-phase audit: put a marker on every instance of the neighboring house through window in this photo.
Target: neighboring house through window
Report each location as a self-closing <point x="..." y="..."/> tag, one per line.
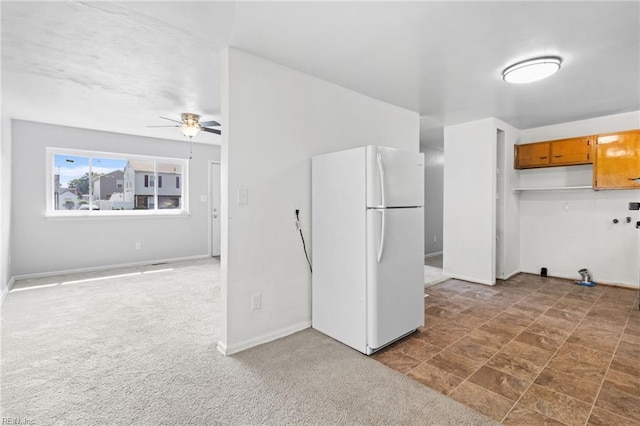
<point x="92" y="181"/>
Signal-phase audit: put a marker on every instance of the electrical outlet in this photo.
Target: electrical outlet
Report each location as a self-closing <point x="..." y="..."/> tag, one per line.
<point x="138" y="245"/>
<point x="256" y="301"/>
<point x="296" y="217"/>
<point x="243" y="196"/>
<point x="435" y="239"/>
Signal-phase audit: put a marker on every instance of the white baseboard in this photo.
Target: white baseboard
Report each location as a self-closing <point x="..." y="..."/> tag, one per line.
<point x="222" y="348"/>
<point x="7" y="289"/>
<point x="438" y="281"/>
<point x="511" y="275"/>
<point x="470" y="279"/>
<point x="265" y="338"/>
<point x="107" y="267"/>
<point x="438" y="253"/>
<point x="633" y="286"/>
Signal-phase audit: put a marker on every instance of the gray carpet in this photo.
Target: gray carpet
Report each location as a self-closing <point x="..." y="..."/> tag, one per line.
<point x="140" y="349"/>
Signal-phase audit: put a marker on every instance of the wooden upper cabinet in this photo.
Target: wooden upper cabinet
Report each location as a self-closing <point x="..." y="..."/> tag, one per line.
<point x="565" y="152"/>
<point x="617" y="163"/>
<point x="561" y="152"/>
<point x="532" y="155"/>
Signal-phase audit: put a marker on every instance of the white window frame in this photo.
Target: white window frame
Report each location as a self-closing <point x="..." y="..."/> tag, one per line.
<point x="50" y="195"/>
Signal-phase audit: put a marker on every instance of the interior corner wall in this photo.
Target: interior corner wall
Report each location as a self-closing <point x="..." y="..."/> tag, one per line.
<point x="433" y="189"/>
<point x="568" y="230"/>
<point x="276" y="120"/>
<point x="6" y="273"/>
<point x="42" y="245"/>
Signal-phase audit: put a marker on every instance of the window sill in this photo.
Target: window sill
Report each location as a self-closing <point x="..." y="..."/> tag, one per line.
<point x="89" y="215"/>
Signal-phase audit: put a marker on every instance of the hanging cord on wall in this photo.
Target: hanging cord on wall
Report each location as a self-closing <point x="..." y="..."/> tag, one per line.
<point x="304" y="246"/>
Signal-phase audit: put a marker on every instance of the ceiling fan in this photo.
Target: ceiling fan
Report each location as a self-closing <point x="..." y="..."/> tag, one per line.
<point x="191" y="125"/>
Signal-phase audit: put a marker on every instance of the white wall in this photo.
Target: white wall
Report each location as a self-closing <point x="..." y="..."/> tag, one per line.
<point x="276" y="120"/>
<point x="433" y="190"/>
<point x="469" y="229"/>
<point x="569" y="230"/>
<point x="44" y="245"/>
<point x="5" y="206"/>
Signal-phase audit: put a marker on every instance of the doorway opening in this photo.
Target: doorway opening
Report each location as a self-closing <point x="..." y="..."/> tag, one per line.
<point x="433" y="205"/>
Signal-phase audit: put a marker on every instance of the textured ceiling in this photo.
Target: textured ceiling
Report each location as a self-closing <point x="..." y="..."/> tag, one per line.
<point x="117" y="66"/>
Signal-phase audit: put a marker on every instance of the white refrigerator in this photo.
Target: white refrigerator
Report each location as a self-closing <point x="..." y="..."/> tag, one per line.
<point x="368" y="245"/>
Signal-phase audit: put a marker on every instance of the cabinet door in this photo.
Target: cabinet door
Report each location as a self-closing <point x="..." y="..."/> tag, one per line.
<point x="532" y="155"/>
<point x="571" y="151"/>
<point x="617" y="163"/>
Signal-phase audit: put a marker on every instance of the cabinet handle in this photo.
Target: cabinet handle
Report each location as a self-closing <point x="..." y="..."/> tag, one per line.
<point x="557" y="156"/>
<point x="636" y="179"/>
<point x="543" y="158"/>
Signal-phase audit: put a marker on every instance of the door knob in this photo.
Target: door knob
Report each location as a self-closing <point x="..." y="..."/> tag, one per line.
<point x="638" y="224"/>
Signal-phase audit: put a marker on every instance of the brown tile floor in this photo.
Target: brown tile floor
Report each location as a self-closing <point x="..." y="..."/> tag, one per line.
<point x="529" y="350"/>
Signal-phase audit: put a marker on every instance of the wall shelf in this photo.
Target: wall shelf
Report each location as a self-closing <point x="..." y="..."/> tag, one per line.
<point x="557" y="188"/>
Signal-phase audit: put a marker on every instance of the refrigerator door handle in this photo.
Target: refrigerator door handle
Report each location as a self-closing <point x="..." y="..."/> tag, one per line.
<point x="383" y="202"/>
<point x="382" y="232"/>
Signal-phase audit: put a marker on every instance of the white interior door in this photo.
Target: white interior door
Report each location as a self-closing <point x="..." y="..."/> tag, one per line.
<point x="214" y="214"/>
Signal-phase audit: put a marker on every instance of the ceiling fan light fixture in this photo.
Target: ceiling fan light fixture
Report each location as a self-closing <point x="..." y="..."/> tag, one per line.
<point x="532" y="70"/>
<point x="190" y="130"/>
<point x="190" y="125"/>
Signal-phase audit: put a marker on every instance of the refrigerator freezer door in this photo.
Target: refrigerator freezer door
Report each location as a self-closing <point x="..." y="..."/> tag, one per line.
<point x="394" y="178"/>
<point x="395" y="287"/>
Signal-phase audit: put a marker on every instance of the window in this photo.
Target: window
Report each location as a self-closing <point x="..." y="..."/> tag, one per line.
<point x="92" y="183"/>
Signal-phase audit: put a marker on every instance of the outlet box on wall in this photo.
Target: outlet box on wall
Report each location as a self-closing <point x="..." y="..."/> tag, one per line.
<point x="256" y="301"/>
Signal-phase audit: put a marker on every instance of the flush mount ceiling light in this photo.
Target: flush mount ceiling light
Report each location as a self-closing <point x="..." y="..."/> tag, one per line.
<point x="532" y="70"/>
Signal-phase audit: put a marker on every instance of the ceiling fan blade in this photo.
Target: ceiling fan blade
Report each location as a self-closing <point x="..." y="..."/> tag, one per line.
<point x="171" y="119"/>
<point x="163" y="126"/>
<point x="209" y="123"/>
<point x="216" y="131"/>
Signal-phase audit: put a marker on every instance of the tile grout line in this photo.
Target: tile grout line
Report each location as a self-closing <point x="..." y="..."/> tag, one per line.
<point x="443" y="349"/>
<point x="503" y="310"/>
<point x="563" y="342"/>
<point x="608" y="367"/>
<point x="549" y="360"/>
<point x="454" y="342"/>
<point x="485" y="363"/>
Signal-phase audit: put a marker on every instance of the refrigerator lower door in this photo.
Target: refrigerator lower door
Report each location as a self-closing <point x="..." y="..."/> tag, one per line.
<point x="395" y="274"/>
